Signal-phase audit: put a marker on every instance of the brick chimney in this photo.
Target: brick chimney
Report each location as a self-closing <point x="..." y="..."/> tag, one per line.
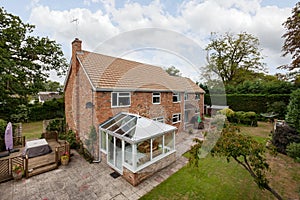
<point x="76" y="47"/>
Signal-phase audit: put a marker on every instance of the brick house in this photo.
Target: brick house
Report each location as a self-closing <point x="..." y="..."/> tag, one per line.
<point x="97" y="87"/>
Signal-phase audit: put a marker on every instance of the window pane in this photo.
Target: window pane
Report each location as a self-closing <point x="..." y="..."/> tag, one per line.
<point x="157" y="146"/>
<point x="114" y="99"/>
<point x="143" y="152"/>
<point x="128" y="153"/>
<point x="169" y="142"/>
<point x="126" y="94"/>
<point x="124" y="101"/>
<point x="156" y="100"/>
<point x="103" y="140"/>
<point x="175" y="99"/>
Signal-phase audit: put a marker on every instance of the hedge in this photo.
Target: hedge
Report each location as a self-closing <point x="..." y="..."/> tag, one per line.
<point x="246" y="102"/>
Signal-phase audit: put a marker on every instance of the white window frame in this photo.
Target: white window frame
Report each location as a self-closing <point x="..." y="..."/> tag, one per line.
<point x="178" y="97"/>
<point x="156" y="94"/>
<point x="159" y="119"/>
<point x="178" y="116"/>
<point x="118" y="96"/>
<point x="186" y="96"/>
<point x="197" y="96"/>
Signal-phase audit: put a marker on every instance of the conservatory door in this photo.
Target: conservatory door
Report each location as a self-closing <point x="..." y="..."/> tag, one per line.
<point x="114" y="154"/>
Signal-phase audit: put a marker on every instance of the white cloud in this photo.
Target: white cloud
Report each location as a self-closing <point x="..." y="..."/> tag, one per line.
<point x="195" y="19"/>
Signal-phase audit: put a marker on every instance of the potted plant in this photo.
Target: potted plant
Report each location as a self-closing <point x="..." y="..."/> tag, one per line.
<point x="17" y="171"/>
<point x="65" y="158"/>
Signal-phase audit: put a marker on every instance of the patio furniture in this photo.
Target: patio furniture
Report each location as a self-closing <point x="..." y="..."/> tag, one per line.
<point x="36" y="148"/>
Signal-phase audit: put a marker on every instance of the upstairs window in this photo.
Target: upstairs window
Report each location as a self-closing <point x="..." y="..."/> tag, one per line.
<point x="186" y="96"/>
<point x="197" y="96"/>
<point x="120" y="99"/>
<point x="159" y="119"/>
<point x="156" y="98"/>
<point x="176" y="97"/>
<point x="176" y="118"/>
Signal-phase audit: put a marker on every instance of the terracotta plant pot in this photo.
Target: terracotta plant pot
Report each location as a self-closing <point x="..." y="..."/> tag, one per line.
<point x="17" y="176"/>
<point x="64" y="161"/>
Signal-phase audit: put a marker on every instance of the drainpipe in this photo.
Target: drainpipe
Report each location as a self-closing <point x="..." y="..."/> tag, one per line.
<point x="99" y="159"/>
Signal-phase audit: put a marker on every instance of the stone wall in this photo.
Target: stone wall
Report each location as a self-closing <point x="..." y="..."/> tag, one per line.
<point x="138" y="177"/>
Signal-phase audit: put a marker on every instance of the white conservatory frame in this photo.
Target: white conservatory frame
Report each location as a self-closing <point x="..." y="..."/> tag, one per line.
<point x="135" y="142"/>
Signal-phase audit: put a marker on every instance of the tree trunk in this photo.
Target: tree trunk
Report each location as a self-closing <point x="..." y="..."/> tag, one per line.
<point x="273" y="192"/>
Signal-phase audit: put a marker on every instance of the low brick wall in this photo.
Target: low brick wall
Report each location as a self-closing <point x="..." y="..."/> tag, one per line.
<point x="138" y="177"/>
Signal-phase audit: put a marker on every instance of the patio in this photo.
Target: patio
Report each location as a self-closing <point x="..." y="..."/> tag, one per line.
<point x="35" y="165"/>
<point x="81" y="180"/>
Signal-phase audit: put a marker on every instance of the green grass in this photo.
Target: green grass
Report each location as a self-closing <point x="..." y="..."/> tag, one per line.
<point x="32" y="130"/>
<point x="214" y="179"/>
<point x="217" y="179"/>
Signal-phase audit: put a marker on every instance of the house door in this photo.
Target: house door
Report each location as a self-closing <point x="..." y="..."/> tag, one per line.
<point x="114" y="154"/>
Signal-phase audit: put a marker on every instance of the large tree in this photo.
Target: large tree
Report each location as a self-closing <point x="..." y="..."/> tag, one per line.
<point x="25" y="61"/>
<point x="292" y="39"/>
<point x="230" y="56"/>
<point x="173" y="71"/>
<point x="244" y="150"/>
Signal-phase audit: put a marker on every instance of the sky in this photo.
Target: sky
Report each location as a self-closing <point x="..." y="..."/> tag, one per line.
<point x="163" y="33"/>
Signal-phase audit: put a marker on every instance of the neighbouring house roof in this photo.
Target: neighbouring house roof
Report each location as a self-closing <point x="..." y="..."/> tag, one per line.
<point x="110" y="73"/>
<point x="134" y="128"/>
<point x="46" y="96"/>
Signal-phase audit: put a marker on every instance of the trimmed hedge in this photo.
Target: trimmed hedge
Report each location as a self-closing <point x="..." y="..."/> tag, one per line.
<point x="246" y="102"/>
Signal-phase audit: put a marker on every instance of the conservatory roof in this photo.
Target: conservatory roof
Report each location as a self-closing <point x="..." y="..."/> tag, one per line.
<point x="135" y="128"/>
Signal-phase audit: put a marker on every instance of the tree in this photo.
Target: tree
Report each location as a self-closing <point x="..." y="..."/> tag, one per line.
<point x="243" y="149"/>
<point x="53" y="86"/>
<point x="291" y="38"/>
<point x="173" y="71"/>
<point x="293" y="110"/>
<point x="25" y="62"/>
<point x="230" y="56"/>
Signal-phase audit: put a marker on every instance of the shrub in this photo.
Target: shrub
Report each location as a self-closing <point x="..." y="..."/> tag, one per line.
<point x="2" y="132"/>
<point x="283" y="136"/>
<point x="227" y="112"/>
<point x="293" y="110"/>
<point x="70" y="136"/>
<point x="293" y="150"/>
<point x="277" y="107"/>
<point x="246" y="118"/>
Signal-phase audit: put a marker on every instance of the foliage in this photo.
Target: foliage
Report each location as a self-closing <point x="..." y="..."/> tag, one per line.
<point x="26" y="61"/>
<point x="293" y="110"/>
<point x="17" y="168"/>
<point x="70" y="136"/>
<point x="48" y="110"/>
<point x="293" y="150"/>
<point x="21" y="114"/>
<point x="90" y="142"/>
<point x="52" y="86"/>
<point x="283" y="136"/>
<point x="291" y="44"/>
<point x="278" y="107"/>
<point x="3" y="124"/>
<point x="230" y="56"/>
<point x="57" y="124"/>
<point x="65" y="156"/>
<point x="173" y="71"/>
<point x="247" y="152"/>
<point x="259" y="86"/>
<point x="247" y="102"/>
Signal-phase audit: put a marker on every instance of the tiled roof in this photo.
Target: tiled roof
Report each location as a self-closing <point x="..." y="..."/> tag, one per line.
<point x="106" y="72"/>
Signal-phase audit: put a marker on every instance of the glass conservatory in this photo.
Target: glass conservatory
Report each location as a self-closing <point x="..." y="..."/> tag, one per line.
<point x="133" y="142"/>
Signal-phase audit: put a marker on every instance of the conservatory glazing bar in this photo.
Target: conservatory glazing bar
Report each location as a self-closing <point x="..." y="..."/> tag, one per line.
<point x="135" y="142"/>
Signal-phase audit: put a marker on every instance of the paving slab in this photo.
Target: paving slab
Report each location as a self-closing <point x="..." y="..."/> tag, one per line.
<point x="81" y="180"/>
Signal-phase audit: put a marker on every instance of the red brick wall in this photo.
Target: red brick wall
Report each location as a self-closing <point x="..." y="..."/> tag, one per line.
<point x="141" y="103"/>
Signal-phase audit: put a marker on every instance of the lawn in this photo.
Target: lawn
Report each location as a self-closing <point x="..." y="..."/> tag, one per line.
<point x="217" y="179"/>
<point x="32" y="130"/>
